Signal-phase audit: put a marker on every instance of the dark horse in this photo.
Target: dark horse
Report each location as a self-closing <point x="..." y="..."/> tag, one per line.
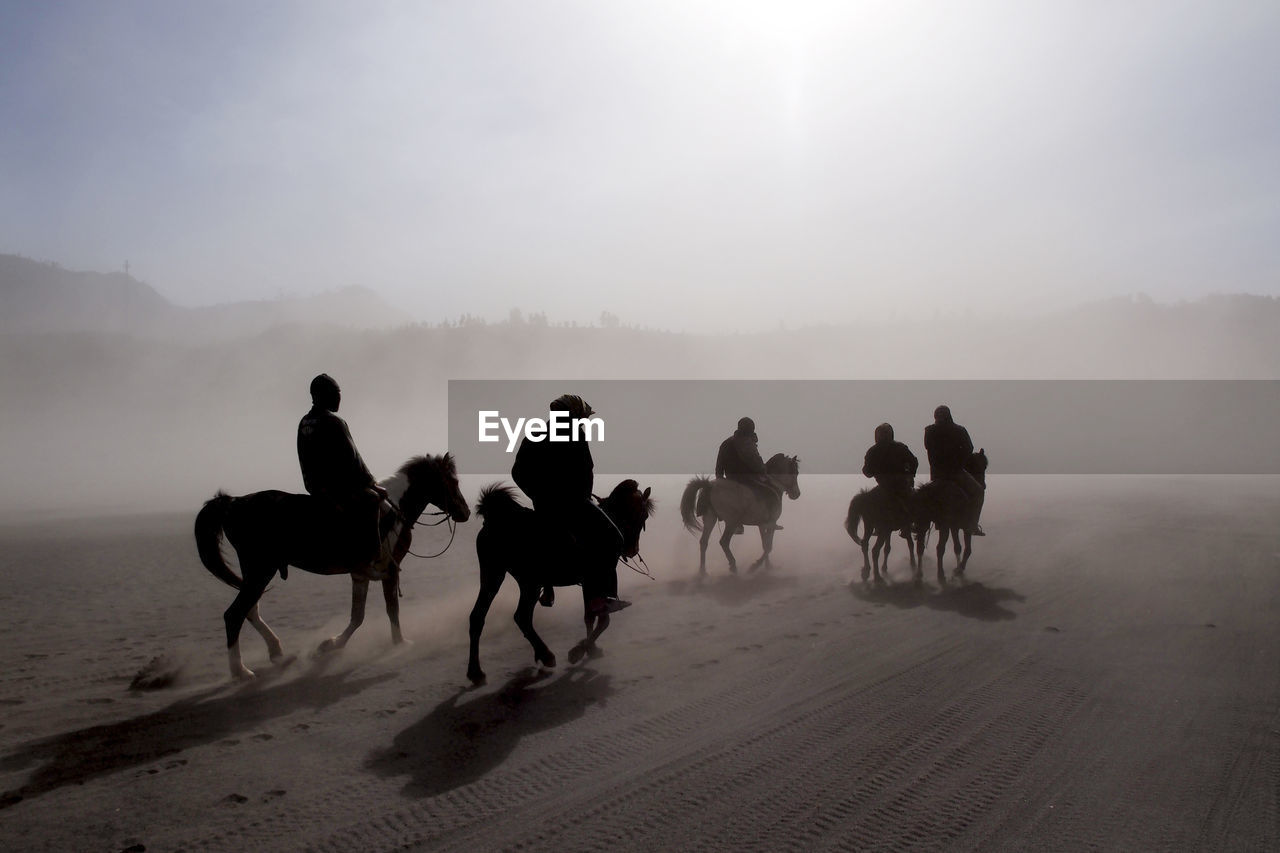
<point x="879" y="514"/>
<point x="944" y="504"/>
<point x="273" y="530"/>
<point x="941" y="503"/>
<point x="737" y="503"/>
<point x="512" y="542"/>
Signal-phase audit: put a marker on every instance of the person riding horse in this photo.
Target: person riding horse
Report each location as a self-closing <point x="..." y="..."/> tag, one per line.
<point x="949" y="447"/>
<point x="893" y="466"/>
<point x="334" y="472"/>
<point x="558" y="477"/>
<point x="738" y="459"/>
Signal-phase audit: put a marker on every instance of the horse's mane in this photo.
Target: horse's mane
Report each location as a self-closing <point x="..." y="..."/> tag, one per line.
<point x="419" y="466"/>
<point x="781" y="463"/>
<point x="627" y="487"/>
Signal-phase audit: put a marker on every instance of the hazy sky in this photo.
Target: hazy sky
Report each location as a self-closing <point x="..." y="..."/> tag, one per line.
<point x="688" y="165"/>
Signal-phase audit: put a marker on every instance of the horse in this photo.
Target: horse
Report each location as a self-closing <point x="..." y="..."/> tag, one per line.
<point x="944" y="504"/>
<point x="512" y="542"/>
<point x="736" y="503"/>
<point x="880" y="513"/>
<point x="272" y="530"/>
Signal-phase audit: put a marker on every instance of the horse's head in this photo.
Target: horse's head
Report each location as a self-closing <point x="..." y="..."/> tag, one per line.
<point x="786" y="470"/>
<point x="977" y="465"/>
<point x="434" y="480"/>
<point x="630" y="509"/>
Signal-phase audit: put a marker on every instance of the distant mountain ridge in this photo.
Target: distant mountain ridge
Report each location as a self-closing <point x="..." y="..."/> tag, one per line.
<point x="38" y="297"/>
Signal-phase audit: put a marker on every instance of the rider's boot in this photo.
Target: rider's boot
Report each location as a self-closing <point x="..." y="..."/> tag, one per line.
<point x="548" y="596"/>
<point x="606" y="604"/>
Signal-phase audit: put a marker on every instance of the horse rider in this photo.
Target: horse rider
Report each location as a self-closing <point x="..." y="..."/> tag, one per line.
<point x="949" y="447"/>
<point x="893" y="466"/>
<point x="334" y="472"/>
<point x="558" y="478"/>
<point x="738" y="459"/>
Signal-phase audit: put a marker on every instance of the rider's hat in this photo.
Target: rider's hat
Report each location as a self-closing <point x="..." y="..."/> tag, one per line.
<point x="746" y="425"/>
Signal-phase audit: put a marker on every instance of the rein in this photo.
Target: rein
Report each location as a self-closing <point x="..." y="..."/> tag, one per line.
<point x="643" y="566"/>
<point x="453" y="529"/>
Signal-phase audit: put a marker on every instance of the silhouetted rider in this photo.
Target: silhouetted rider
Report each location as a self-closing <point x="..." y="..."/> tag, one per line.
<point x="949" y="447"/>
<point x="738" y="459"/>
<point x="558" y="477"/>
<point x="893" y="466"/>
<point x="333" y="471"/>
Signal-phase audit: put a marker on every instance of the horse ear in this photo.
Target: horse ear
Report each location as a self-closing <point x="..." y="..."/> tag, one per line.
<point x="646" y="492"/>
<point x="982" y="451"/>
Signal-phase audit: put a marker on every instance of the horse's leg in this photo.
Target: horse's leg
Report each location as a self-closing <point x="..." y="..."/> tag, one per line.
<point x="964" y="558"/>
<point x="490" y="582"/>
<point x="876" y="551"/>
<point x="729" y="526"/>
<point x="359" y="594"/>
<point x="274" y="650"/>
<point x="708" y="525"/>
<point x="955" y="543"/>
<point x="596" y="625"/>
<point x="391" y="597"/>
<point x="943" y="533"/>
<point x="766" y="545"/>
<point x="524" y="621"/>
<point x="255" y="583"/>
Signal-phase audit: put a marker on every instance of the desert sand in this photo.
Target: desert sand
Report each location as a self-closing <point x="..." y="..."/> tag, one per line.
<point x="1106" y="677"/>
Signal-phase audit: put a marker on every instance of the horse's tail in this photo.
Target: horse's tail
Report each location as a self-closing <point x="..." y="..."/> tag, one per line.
<point x="497" y="503"/>
<point x="209" y="523"/>
<point x="855" y="515"/>
<point x="691" y="505"/>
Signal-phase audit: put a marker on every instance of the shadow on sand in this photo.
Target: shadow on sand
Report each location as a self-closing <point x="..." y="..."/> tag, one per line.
<point x="972" y="599"/>
<point x="459" y="743"/>
<point x="77" y="756"/>
<point x="733" y="590"/>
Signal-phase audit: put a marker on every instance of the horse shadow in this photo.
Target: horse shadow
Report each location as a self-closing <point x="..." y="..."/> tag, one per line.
<point x="733" y="590"/>
<point x="974" y="600"/>
<point x="457" y="744"/>
<point x="74" y="757"/>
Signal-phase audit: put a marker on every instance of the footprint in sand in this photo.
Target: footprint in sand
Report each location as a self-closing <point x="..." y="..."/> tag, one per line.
<point x="300" y="727"/>
<point x="12" y="701"/>
<point x="1052" y="630"/>
<point x="233" y="800"/>
<point x="100" y="700"/>
<point x="135" y="848"/>
<point x="263" y="737"/>
<point x="1210" y="625"/>
<point x="229" y="742"/>
<point x="273" y="795"/>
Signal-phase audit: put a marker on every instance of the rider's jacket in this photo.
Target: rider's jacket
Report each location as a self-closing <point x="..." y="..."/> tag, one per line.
<point x="889" y="457"/>
<point x="948" y="446"/>
<point x="331" y="465"/>
<point x="551" y="473"/>
<point x="738" y="457"/>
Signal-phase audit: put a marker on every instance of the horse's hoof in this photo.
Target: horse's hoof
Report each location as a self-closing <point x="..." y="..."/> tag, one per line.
<point x="327" y="646"/>
<point x="595" y="652"/>
<point x="577" y="653"/>
<point x="548" y="660"/>
<point x="243" y="674"/>
<point x="476" y="676"/>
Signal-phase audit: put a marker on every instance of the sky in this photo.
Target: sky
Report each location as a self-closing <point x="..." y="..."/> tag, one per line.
<point x="704" y="166"/>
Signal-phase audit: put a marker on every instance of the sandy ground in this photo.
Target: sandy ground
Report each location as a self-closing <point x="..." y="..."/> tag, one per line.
<point x="1108" y="677"/>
